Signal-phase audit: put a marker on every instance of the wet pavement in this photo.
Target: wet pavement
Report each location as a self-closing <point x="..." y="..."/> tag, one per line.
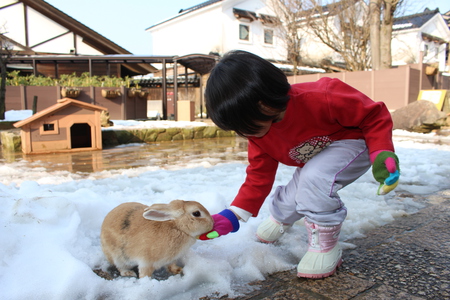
<point x="174" y="154"/>
<point x="164" y="155"/>
<point x="406" y="259"/>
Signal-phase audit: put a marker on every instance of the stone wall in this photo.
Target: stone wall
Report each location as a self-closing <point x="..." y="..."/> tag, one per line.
<point x="11" y="140"/>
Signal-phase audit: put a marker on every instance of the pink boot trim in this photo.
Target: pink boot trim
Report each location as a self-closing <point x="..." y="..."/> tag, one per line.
<point x="324" y="254"/>
<point x="322" y="239"/>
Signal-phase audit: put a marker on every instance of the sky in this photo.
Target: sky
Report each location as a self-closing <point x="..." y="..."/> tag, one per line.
<point x="50" y="221"/>
<point x="125" y="22"/>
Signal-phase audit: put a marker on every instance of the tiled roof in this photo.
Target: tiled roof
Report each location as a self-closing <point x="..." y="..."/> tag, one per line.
<point x="187" y="10"/>
<point x="198" y="6"/>
<point x="414" y="21"/>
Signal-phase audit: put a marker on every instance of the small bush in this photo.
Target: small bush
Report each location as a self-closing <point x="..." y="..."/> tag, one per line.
<point x="72" y="80"/>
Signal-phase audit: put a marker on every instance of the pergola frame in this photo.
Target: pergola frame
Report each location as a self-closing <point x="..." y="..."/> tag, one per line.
<point x="199" y="63"/>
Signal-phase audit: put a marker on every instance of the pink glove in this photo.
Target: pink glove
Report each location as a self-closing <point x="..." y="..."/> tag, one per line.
<point x="224" y="223"/>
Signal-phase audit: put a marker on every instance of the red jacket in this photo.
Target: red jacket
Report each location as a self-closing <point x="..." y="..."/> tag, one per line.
<point x="317" y="114"/>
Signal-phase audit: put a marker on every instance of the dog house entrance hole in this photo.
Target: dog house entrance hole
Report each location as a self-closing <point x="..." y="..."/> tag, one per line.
<point x="80" y="135"/>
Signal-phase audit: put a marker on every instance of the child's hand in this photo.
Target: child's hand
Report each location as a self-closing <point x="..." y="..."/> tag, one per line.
<point x="385" y="170"/>
<point x="224" y="223"/>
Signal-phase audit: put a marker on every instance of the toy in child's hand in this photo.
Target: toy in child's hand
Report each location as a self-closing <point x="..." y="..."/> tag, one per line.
<point x="224" y="223"/>
<point x="385" y="170"/>
<point x="153" y="236"/>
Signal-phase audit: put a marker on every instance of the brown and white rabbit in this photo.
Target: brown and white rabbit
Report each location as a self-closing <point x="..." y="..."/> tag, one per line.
<point x="151" y="237"/>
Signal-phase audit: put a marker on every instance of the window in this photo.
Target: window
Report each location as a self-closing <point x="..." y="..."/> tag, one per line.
<point x="47" y="127"/>
<point x="244" y="32"/>
<point x="268" y="36"/>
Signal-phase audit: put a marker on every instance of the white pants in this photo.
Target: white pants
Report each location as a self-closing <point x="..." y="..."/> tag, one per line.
<point x="313" y="189"/>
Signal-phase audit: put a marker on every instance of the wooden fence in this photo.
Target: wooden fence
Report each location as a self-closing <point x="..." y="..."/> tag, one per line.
<point x="396" y="87"/>
<point x="122" y="107"/>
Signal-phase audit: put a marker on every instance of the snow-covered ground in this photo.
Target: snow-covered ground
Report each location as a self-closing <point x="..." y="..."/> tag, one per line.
<point x="50" y="225"/>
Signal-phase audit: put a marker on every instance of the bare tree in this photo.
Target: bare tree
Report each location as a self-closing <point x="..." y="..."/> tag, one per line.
<point x="343" y="27"/>
<point x="375" y="15"/>
<point x="381" y="14"/>
<point x="389" y="8"/>
<point x="288" y="12"/>
<point x="359" y="31"/>
<point x="5" y="54"/>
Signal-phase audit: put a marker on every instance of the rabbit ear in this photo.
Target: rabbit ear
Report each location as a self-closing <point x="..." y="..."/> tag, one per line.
<point x="161" y="212"/>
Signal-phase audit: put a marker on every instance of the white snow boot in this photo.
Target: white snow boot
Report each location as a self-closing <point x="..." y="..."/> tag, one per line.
<point x="271" y="230"/>
<point x="324" y="254"/>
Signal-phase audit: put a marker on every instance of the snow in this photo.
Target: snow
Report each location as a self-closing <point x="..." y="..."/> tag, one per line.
<point x="50" y="223"/>
<point x="133" y="124"/>
<point x="17" y="115"/>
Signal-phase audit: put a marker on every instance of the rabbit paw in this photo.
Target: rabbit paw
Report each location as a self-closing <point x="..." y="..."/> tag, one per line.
<point x="174" y="269"/>
<point x="127" y="273"/>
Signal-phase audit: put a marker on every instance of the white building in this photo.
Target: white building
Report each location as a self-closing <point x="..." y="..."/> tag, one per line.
<point x="34" y="27"/>
<point x="425" y="32"/>
<point x="217" y="26"/>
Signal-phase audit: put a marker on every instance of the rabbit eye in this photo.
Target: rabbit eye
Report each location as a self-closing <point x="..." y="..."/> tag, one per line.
<point x="196" y="213"/>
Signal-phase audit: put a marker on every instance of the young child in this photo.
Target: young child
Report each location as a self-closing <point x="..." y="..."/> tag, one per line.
<point x="330" y="131"/>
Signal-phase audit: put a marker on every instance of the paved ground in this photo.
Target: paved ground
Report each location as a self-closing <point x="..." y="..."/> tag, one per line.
<point x="406" y="259"/>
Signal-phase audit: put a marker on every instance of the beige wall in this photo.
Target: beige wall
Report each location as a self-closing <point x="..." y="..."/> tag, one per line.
<point x="395" y="87"/>
<point x="120" y="108"/>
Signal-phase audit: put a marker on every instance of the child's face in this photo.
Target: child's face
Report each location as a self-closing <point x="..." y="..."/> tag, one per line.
<point x="265" y="127"/>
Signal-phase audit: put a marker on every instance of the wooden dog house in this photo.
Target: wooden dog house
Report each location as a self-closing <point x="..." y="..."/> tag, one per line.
<point x="67" y="126"/>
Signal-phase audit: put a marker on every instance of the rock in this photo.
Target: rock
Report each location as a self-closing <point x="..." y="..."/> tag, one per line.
<point x="210" y="132"/>
<point x="123" y="136"/>
<point x="146" y="135"/>
<point x="109" y="138"/>
<point x="419" y="116"/>
<point x="198" y="132"/>
<point x="188" y="133"/>
<point x="11" y="140"/>
<point x="223" y="133"/>
<point x="164" y="137"/>
<point x="104" y="119"/>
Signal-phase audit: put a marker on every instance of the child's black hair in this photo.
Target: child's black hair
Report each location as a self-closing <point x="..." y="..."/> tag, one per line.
<point x="239" y="86"/>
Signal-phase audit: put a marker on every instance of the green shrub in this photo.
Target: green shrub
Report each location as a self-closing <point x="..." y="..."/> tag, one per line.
<point x="71" y="80"/>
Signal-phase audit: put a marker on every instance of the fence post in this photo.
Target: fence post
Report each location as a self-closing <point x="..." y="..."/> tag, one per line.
<point x="421" y="69"/>
<point x="58" y="92"/>
<point x="23" y="97"/>
<point x="124" y="103"/>
<point x="407" y="84"/>
<point x="35" y="99"/>
<point x="92" y="92"/>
